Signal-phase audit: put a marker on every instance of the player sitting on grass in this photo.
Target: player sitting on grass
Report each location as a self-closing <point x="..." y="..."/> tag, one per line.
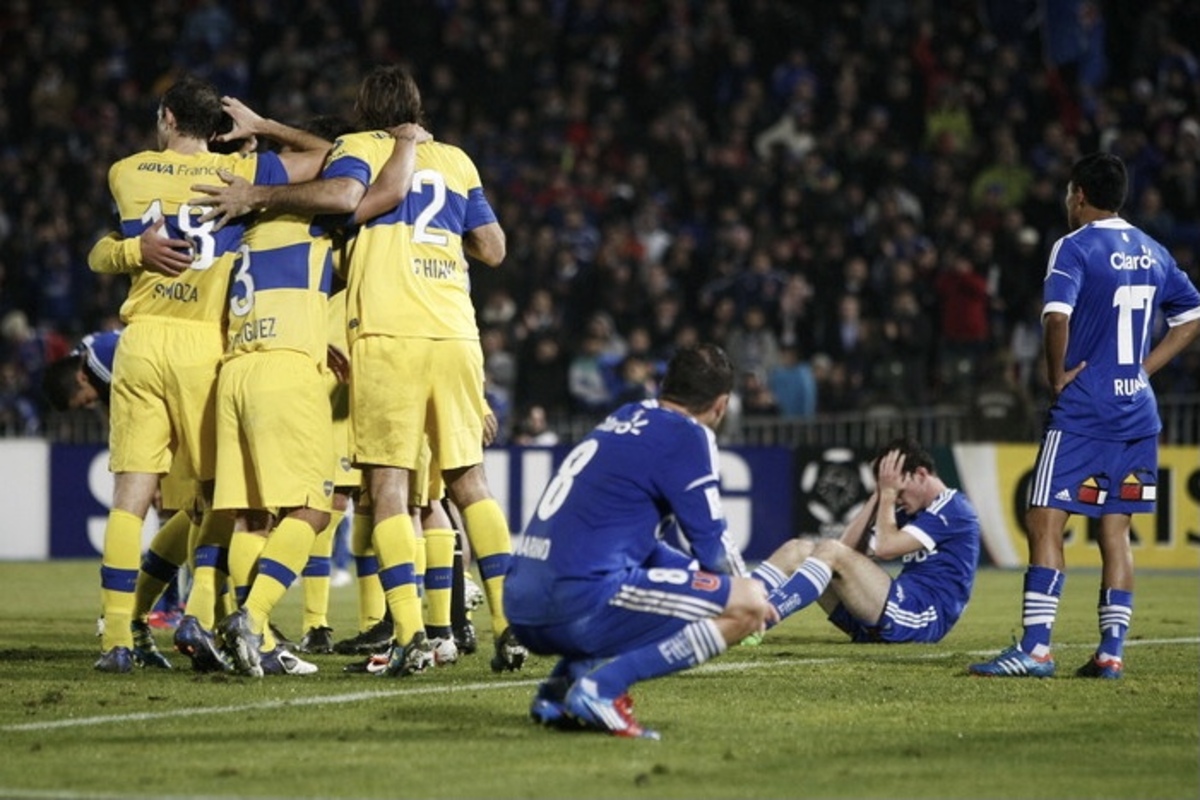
<point x="912" y="516"/>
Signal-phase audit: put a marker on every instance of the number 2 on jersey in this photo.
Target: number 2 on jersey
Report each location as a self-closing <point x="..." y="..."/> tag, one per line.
<point x="421" y="231"/>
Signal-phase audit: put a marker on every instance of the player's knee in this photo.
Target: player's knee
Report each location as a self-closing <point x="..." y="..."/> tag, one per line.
<point x="748" y="609"/>
<point x="791" y="554"/>
<point x="467" y="485"/>
<point x="832" y="551"/>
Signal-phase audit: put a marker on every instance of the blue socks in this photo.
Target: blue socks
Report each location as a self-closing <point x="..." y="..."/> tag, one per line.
<point x="1115" y="610"/>
<point x="1039" y="608"/>
<point x="693" y="645"/>
<point x="807" y="583"/>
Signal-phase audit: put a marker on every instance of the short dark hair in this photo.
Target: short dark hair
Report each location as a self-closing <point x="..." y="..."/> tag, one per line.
<point x="59" y="382"/>
<point x="697" y="376"/>
<point x="914" y="456"/>
<point x="1103" y="180"/>
<point x="328" y="126"/>
<point x="196" y="105"/>
<point x="388" y="96"/>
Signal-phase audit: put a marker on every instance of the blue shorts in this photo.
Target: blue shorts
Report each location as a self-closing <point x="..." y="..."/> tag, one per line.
<point x="907" y="617"/>
<point x="1093" y="477"/>
<point x="644" y="606"/>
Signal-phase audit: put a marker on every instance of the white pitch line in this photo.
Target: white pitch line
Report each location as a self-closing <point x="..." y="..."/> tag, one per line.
<point x="354" y="697"/>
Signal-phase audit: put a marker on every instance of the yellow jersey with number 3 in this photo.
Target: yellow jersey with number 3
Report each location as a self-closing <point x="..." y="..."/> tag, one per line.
<point x="278" y="295"/>
<point x="407" y="269"/>
<point x="154" y="184"/>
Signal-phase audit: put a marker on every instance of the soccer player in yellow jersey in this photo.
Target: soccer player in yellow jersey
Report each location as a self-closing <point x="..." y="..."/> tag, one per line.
<point x="274" y="427"/>
<point x="164" y="376"/>
<point x="418" y="367"/>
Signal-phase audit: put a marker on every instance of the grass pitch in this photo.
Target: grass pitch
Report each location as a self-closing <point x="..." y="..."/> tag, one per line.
<point x="805" y="714"/>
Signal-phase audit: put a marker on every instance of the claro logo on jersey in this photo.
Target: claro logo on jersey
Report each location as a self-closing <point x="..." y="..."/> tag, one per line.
<point x="1129" y="261"/>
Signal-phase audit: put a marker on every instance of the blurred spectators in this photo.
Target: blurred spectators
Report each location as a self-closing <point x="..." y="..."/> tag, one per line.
<point x="679" y="167"/>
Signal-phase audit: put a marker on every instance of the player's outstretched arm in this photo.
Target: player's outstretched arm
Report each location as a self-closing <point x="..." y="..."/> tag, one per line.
<point x="237" y="196"/>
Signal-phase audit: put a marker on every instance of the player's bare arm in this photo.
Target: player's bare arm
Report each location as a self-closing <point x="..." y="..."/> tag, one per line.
<point x="304" y="152"/>
<point x="890" y="541"/>
<point x="1057" y="328"/>
<point x="486" y="243"/>
<point x="395" y="178"/>
<point x="238" y="196"/>
<point x="855" y="535"/>
<point x="1171" y="345"/>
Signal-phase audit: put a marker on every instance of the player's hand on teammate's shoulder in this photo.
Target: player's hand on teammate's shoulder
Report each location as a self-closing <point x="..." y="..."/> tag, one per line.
<point x="163" y="255"/>
<point x="411" y="131"/>
<point x="226" y="202"/>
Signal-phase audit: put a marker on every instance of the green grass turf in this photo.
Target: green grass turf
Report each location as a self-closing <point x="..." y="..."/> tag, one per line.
<point x="805" y="714"/>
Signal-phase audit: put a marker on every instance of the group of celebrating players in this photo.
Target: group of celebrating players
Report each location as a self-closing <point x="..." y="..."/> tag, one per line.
<point x="234" y="343"/>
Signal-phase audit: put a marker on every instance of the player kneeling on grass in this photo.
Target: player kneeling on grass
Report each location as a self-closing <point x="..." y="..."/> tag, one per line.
<point x="592" y="581"/>
<point x="912" y="516"/>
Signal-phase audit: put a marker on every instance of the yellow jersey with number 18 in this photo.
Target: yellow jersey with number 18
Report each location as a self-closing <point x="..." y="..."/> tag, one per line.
<point x="407" y="270"/>
<point x="154" y="184"/>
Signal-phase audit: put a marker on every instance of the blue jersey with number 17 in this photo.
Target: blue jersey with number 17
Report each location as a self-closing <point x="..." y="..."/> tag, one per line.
<point x="1111" y="278"/>
<point x="602" y="513"/>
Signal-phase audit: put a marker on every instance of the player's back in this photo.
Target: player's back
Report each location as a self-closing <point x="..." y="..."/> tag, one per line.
<point x="602" y="511"/>
<point x="154" y="185"/>
<point x="278" y="295"/>
<point x="407" y="268"/>
<point x="1112" y="278"/>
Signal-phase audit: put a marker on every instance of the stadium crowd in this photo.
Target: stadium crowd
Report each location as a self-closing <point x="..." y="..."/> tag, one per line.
<point x="856" y="199"/>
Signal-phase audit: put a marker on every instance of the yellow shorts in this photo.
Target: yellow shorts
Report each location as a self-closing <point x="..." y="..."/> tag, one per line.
<point x="425" y="483"/>
<point x="402" y="389"/>
<point x="178" y="490"/>
<point x="274" y="433"/>
<point x="345" y="474"/>
<point x="163" y="395"/>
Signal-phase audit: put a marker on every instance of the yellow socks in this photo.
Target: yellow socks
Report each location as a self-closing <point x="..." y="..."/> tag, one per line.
<point x="395" y="544"/>
<point x="118" y="576"/>
<point x="283" y="557"/>
<point x="487" y="530"/>
<point x="316" y="576"/>
<point x="439" y="577"/>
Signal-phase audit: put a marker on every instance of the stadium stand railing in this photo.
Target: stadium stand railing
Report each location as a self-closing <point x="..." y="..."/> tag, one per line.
<point x="933" y="425"/>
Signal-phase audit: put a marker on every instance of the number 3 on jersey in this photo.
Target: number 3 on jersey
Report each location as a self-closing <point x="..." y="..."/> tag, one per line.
<point x="560" y="486"/>
<point x="241" y="292"/>
<point x="204" y="245"/>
